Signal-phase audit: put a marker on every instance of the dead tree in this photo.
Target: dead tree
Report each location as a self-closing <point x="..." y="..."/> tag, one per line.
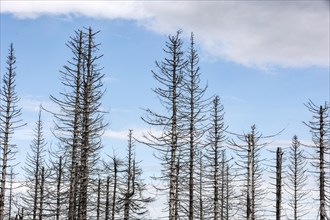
<point x="91" y="119"/>
<point x="132" y="199"/>
<point x="251" y="170"/>
<point x="114" y="185"/>
<point x="193" y="115"/>
<point x="297" y="181"/>
<point x="215" y="141"/>
<point x="320" y="129"/>
<point x="33" y="169"/>
<point x="167" y="144"/>
<point x="68" y="120"/>
<point x="279" y="155"/>
<point x="9" y="121"/>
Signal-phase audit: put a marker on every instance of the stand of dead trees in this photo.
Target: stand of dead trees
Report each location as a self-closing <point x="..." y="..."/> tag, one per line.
<point x="207" y="172"/>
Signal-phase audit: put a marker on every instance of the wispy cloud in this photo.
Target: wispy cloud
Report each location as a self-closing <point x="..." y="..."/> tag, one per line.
<point x="233" y="99"/>
<point x="260" y="34"/>
<point x="138" y="133"/>
<point x="32" y="103"/>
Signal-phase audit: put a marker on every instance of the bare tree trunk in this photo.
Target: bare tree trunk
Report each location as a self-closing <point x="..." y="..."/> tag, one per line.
<point x="216" y="185"/>
<point x="173" y="178"/>
<point x="223" y="183"/>
<point x="279" y="155"/>
<point x="58" y="190"/>
<point x="74" y="151"/>
<point x="177" y="186"/>
<point x="322" y="165"/>
<point x="10" y="193"/>
<point x="86" y="132"/>
<point x="201" y="203"/>
<point x="250" y="182"/>
<point x="107" y="199"/>
<point x="114" y="195"/>
<point x="98" y="199"/>
<point x="36" y="187"/>
<point x="227" y="192"/>
<point x="42" y="186"/>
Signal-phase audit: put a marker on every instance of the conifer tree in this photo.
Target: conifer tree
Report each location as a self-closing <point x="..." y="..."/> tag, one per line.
<point x="297" y="180"/>
<point x="320" y="129"/>
<point x="251" y="170"/>
<point x="9" y="121"/>
<point x="215" y="141"/>
<point x="193" y="115"/>
<point x="35" y="163"/>
<point x="170" y="78"/>
<point x="133" y="201"/>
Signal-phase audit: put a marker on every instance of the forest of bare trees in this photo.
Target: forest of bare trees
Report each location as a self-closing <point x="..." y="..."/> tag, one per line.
<point x="207" y="171"/>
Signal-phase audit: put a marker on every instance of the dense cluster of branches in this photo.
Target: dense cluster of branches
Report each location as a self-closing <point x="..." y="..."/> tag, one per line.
<point x="70" y="184"/>
<point x="207" y="172"/>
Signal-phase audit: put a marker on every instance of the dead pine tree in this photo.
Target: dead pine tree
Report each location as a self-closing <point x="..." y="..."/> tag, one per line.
<point x="320" y="129"/>
<point x="92" y="124"/>
<point x="215" y="141"/>
<point x="296" y="182"/>
<point x="250" y="165"/>
<point x="193" y="116"/>
<point x="132" y="199"/>
<point x="68" y="120"/>
<point x="9" y="121"/>
<point x="276" y="184"/>
<point x="170" y="78"/>
<point x="35" y="162"/>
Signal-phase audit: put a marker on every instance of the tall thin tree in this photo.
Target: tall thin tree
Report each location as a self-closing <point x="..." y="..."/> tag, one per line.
<point x="9" y="121"/>
<point x="133" y="199"/>
<point x="297" y="181"/>
<point x="279" y="162"/>
<point x="250" y="165"/>
<point x="215" y="141"/>
<point x="320" y="129"/>
<point x="193" y="115"/>
<point x="67" y="127"/>
<point x="33" y="168"/>
<point x="167" y="144"/>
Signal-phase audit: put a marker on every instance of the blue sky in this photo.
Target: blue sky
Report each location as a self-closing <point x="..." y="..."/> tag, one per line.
<point x="264" y="59"/>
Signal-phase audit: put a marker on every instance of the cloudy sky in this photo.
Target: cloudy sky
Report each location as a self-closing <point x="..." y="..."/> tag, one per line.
<point x="265" y="59"/>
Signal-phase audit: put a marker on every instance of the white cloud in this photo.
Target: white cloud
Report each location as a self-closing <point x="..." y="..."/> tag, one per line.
<point x="261" y="34"/>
